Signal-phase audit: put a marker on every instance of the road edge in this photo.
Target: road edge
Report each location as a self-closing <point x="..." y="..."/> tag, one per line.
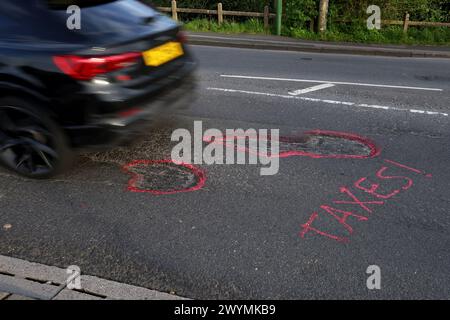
<point x="25" y="280"/>
<point x="316" y="47"/>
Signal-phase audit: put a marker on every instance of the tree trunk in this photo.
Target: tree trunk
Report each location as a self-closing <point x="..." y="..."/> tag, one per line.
<point x="323" y="13"/>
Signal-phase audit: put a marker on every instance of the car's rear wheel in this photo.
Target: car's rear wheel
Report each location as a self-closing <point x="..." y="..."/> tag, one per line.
<point x="31" y="144"/>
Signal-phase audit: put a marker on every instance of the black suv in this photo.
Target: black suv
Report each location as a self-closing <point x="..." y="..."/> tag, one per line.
<point x="64" y="89"/>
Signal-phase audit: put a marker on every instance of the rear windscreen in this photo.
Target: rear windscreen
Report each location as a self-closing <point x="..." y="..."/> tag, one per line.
<point x="99" y="20"/>
<point x="100" y="16"/>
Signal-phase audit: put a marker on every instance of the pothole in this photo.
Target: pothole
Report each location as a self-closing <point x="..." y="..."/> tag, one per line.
<point x="328" y="144"/>
<point x="164" y="177"/>
<point x="314" y="144"/>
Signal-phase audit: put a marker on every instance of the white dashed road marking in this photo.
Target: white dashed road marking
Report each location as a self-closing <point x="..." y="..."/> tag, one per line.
<point x="331" y="82"/>
<point x="311" y="89"/>
<point x="350" y="104"/>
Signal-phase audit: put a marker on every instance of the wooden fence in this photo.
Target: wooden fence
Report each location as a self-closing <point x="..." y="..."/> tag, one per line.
<point x="220" y="13"/>
<point x="406" y="23"/>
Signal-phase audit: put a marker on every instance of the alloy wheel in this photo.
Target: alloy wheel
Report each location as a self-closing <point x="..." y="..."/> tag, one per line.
<point x="26" y="145"/>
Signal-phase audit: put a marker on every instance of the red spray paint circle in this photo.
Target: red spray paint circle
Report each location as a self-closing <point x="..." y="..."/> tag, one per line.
<point x="163" y="177"/>
<point x="371" y="150"/>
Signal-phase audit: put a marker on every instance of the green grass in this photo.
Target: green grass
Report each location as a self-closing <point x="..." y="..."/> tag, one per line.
<point x="387" y="35"/>
<point x="342" y="33"/>
<point x="252" y="26"/>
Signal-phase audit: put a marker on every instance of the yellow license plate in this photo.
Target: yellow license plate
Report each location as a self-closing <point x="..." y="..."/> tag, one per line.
<point x="163" y="54"/>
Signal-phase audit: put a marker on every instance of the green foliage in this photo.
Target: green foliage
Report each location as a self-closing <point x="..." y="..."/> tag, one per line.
<point x="388" y="35"/>
<point x="301" y="15"/>
<point x="298" y="12"/>
<point x="421" y="10"/>
<point x="249" y="26"/>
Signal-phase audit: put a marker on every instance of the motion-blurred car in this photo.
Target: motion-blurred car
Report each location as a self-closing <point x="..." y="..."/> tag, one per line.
<point x="63" y="90"/>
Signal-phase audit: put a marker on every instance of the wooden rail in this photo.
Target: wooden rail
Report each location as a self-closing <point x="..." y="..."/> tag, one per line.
<point x="220" y="13"/>
<point x="406" y="23"/>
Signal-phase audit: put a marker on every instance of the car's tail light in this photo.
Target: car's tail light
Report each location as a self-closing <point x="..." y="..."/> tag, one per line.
<point x="182" y="37"/>
<point x="130" y="112"/>
<point x="86" y="68"/>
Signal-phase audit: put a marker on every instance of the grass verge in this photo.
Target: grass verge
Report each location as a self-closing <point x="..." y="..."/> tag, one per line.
<point x="252" y="26"/>
<point x="342" y="33"/>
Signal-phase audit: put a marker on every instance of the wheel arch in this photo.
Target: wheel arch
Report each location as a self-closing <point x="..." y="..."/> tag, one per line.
<point x="18" y="91"/>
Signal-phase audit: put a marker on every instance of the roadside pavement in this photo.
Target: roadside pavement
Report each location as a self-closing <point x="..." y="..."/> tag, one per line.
<point x="269" y="42"/>
<point x="23" y="280"/>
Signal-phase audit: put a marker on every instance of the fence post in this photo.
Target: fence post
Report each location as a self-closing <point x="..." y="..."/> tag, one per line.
<point x="266" y="18"/>
<point x="174" y="10"/>
<point x="311" y="25"/>
<point x="406" y="23"/>
<point x="220" y="13"/>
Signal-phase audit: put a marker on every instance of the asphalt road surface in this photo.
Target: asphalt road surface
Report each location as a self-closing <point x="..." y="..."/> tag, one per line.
<point x="307" y="232"/>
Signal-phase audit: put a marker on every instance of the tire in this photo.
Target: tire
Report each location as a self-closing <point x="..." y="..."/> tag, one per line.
<point x="31" y="143"/>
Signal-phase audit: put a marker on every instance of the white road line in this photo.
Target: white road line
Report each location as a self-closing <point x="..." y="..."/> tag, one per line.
<point x="351" y="104"/>
<point x="332" y="82"/>
<point x="311" y="89"/>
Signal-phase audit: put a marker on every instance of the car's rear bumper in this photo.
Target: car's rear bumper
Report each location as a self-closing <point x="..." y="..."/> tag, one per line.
<point x="122" y="127"/>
